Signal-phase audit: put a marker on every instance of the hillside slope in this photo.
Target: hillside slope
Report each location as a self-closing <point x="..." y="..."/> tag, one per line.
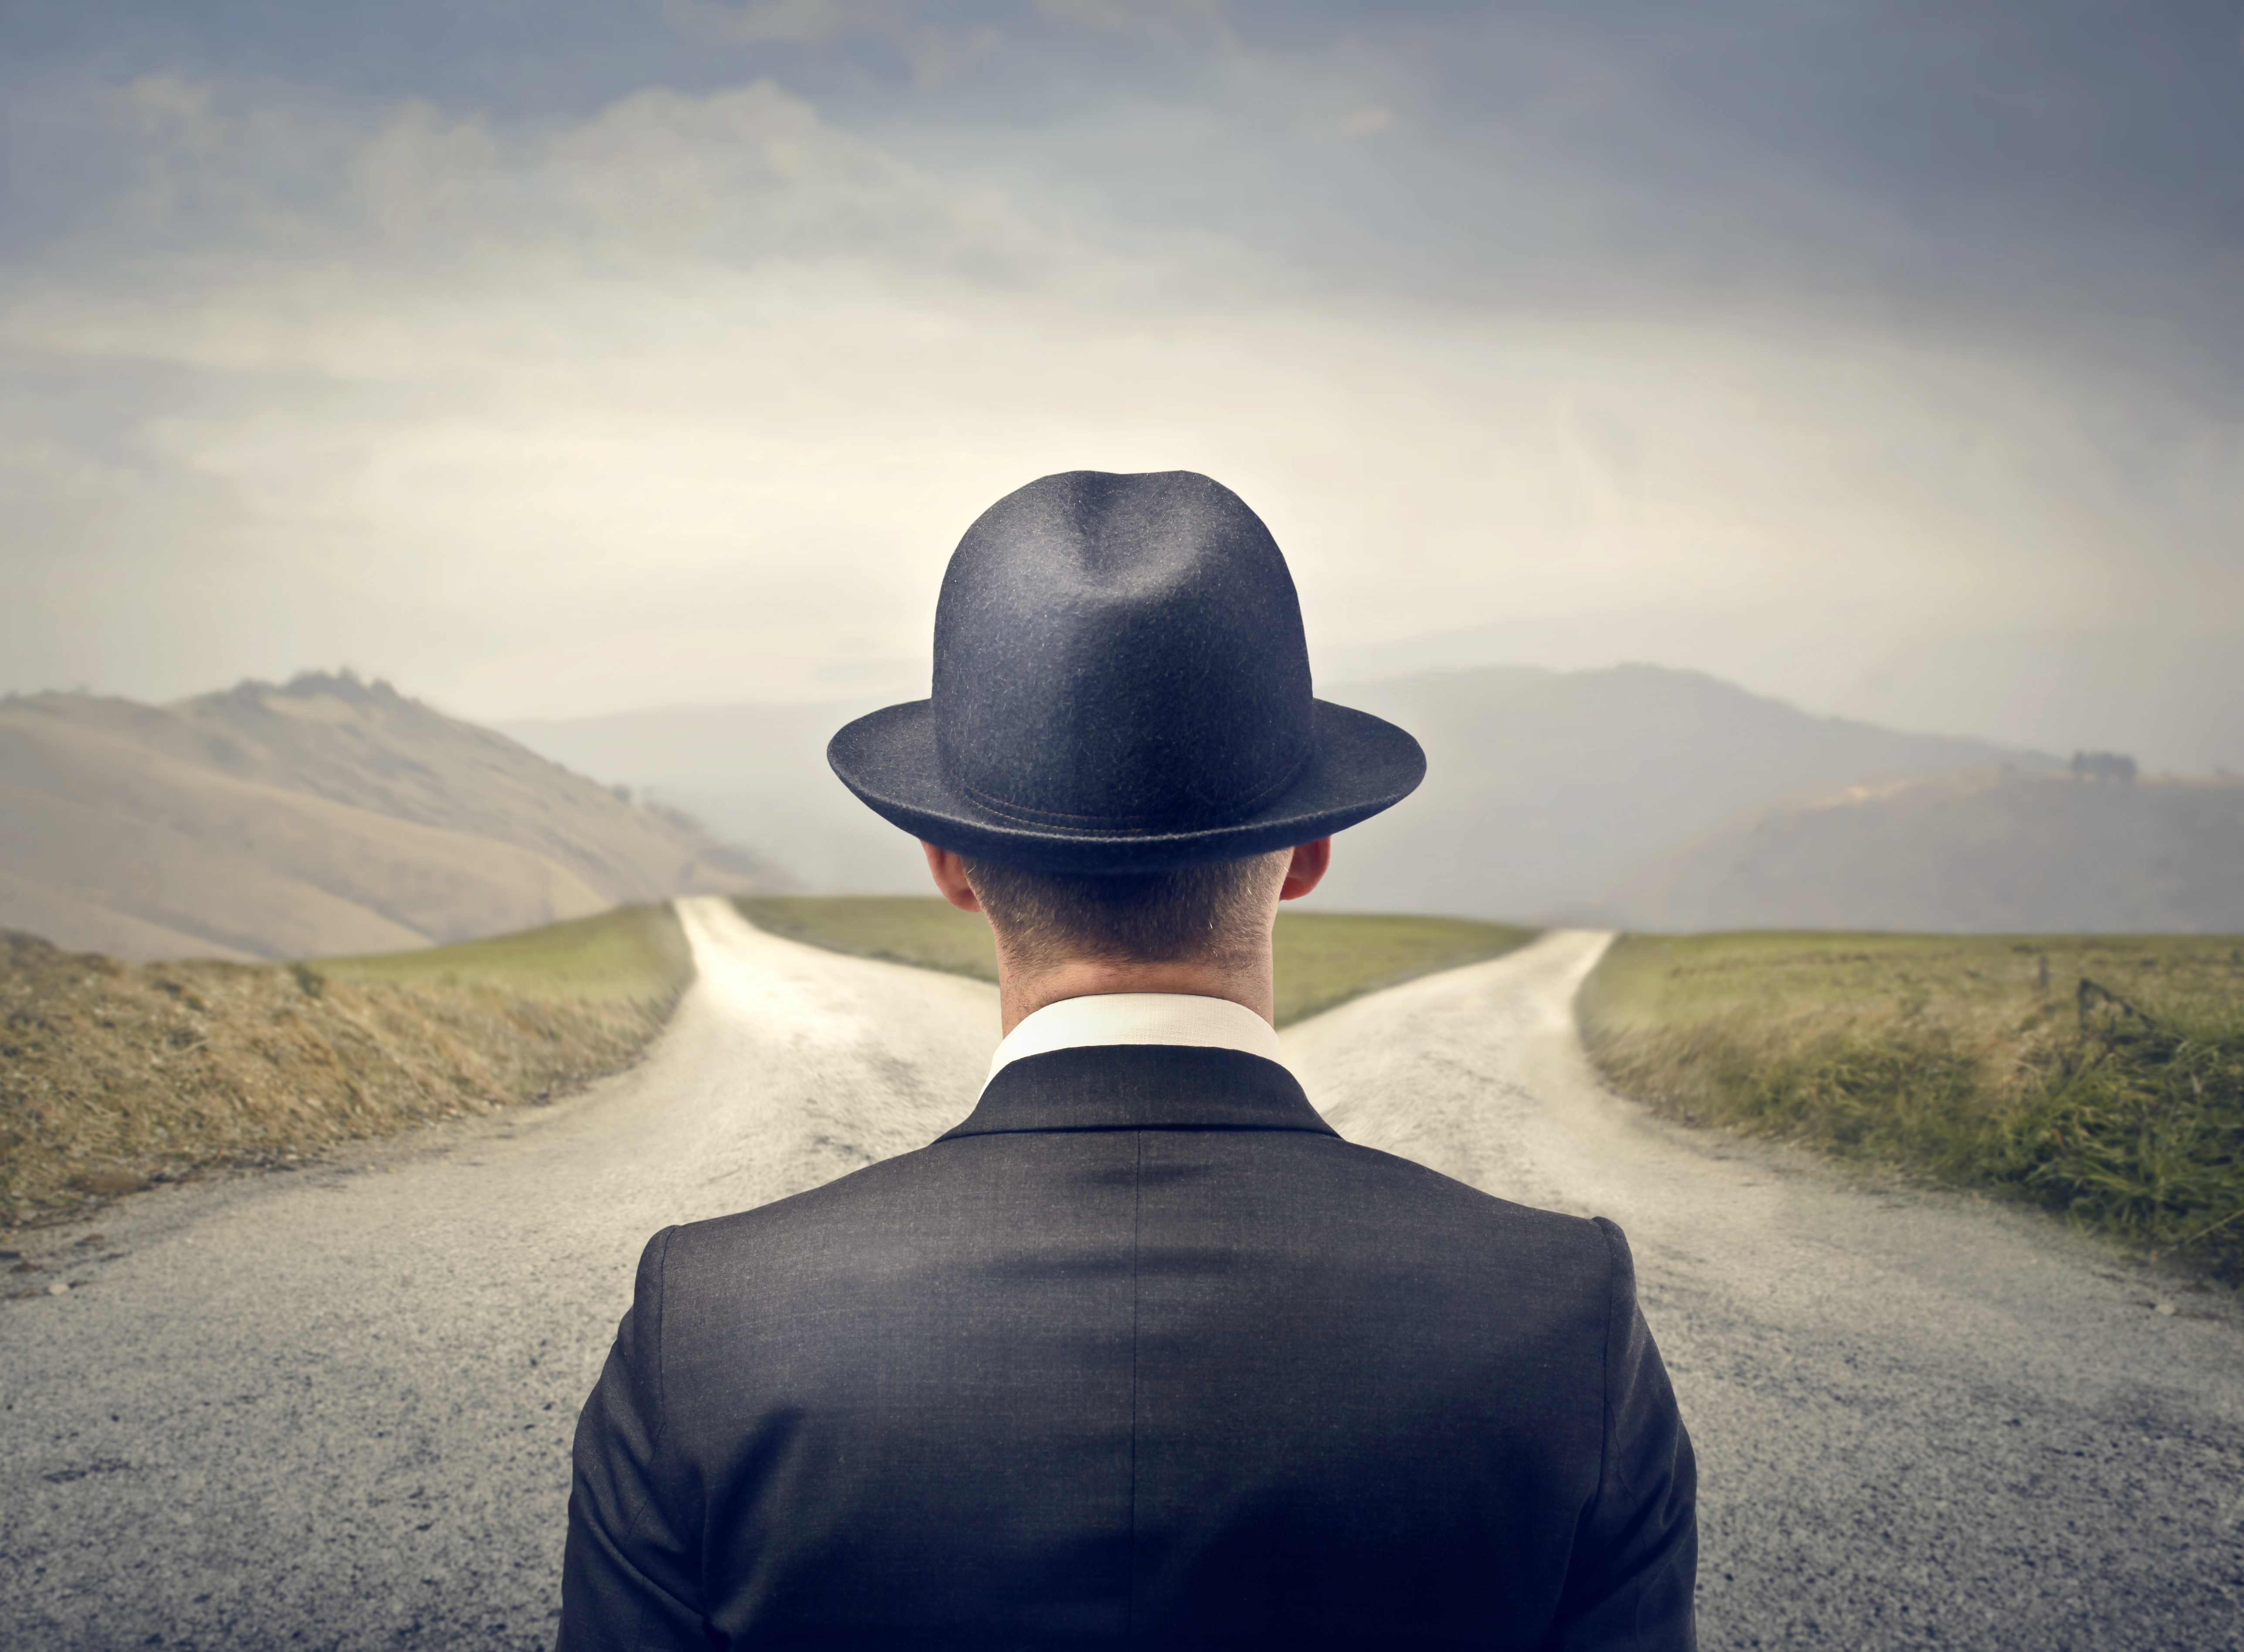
<point x="1542" y="786"/>
<point x="1980" y="853"/>
<point x="325" y="816"/>
<point x="753" y="773"/>
<point x="1542" y="789"/>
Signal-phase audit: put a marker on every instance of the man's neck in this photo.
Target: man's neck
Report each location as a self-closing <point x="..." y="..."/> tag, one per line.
<point x="1021" y="995"/>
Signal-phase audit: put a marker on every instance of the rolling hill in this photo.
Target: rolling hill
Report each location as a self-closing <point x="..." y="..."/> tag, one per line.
<point x="1542" y="789"/>
<point x="1977" y="853"/>
<point x="325" y="816"/>
<point x="756" y="773"/>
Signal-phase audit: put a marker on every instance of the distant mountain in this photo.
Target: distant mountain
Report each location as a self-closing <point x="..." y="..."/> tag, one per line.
<point x="1545" y="789"/>
<point x="329" y="816"/>
<point x="1981" y="853"/>
<point x="754" y="773"/>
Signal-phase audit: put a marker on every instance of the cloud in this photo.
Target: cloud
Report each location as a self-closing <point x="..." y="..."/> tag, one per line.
<point x="420" y="177"/>
<point x="794" y="23"/>
<point x="751" y="171"/>
<point x="1125" y="16"/>
<point x="170" y="109"/>
<point x="932" y="51"/>
<point x="686" y="396"/>
<point x="1366" y="122"/>
<point x="683" y="477"/>
<point x="412" y="233"/>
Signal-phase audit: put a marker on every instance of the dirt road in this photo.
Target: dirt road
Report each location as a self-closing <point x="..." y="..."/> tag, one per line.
<point x="332" y="1409"/>
<point x="1921" y="1420"/>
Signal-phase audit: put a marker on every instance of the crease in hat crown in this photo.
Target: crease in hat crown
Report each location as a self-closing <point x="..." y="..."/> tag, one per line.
<point x="1121" y="683"/>
<point x="1120" y="653"/>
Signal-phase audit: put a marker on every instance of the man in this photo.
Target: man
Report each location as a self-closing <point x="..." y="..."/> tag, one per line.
<point x="1141" y="1354"/>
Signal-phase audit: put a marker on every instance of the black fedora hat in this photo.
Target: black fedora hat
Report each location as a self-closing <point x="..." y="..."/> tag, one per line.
<point x="1121" y="685"/>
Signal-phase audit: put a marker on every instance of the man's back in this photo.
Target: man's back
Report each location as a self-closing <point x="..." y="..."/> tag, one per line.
<point x="1140" y="1355"/>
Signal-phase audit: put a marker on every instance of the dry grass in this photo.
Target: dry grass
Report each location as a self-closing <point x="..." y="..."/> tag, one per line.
<point x="1321" y="958"/>
<point x="1979" y="1060"/>
<point x="113" y="1075"/>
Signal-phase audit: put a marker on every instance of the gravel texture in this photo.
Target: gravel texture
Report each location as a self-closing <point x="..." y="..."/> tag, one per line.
<point x="332" y="1409"/>
<point x="1921" y="1419"/>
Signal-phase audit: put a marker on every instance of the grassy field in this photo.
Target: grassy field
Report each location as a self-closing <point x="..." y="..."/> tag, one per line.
<point x="116" y="1075"/>
<point x="634" y="955"/>
<point x="1324" y="958"/>
<point x="2100" y="1076"/>
<point x="1321" y="958"/>
<point x="921" y="929"/>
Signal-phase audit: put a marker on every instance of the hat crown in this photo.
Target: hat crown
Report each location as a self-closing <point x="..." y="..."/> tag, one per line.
<point x="1120" y="653"/>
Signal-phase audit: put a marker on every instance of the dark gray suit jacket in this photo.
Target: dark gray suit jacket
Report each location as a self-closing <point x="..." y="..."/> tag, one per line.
<point x="1140" y="1355"/>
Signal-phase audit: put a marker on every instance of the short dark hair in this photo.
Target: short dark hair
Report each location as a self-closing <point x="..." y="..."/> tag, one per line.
<point x="1198" y="912"/>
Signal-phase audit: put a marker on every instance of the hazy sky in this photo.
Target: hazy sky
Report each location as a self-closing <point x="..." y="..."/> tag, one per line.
<point x="553" y="358"/>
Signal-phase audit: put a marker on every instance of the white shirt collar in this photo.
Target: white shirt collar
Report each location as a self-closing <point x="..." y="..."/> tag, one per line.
<point x="1138" y="1018"/>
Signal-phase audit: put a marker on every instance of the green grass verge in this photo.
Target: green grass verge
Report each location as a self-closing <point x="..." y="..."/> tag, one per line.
<point x="1325" y="958"/>
<point x="1321" y="958"/>
<point x="634" y="955"/>
<point x="2100" y="1076"/>
<point x="925" y="930"/>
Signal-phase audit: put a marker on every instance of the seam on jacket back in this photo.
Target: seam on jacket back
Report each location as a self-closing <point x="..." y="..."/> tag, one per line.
<point x="661" y="1417"/>
<point x="1137" y="1215"/>
<point x="1614" y="1331"/>
<point x="965" y="1135"/>
<point x="661" y="1302"/>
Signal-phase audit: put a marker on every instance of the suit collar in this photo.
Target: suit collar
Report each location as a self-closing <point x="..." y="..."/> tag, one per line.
<point x="1141" y="1087"/>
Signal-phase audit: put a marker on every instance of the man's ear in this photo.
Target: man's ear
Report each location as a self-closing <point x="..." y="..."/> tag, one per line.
<point x="949" y="871"/>
<point x="1308" y="869"/>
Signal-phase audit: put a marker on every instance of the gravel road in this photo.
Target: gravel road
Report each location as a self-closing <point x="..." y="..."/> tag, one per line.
<point x="1922" y="1420"/>
<point x="332" y="1409"/>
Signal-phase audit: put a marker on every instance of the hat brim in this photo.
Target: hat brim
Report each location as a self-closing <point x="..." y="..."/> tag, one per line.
<point x="1359" y="765"/>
